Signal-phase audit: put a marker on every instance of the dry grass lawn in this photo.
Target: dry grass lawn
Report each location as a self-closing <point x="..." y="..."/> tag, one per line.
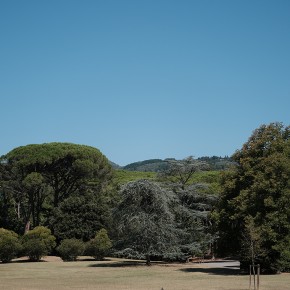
<point x="122" y="274"/>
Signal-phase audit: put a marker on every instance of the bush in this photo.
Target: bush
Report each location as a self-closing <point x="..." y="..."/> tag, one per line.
<point x="38" y="243"/>
<point x="129" y="253"/>
<point x="70" y="249"/>
<point x="9" y="245"/>
<point x="35" y="249"/>
<point x="99" y="246"/>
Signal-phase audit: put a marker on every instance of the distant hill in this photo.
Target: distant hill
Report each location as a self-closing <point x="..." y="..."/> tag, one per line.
<point x="151" y="165"/>
<point x="115" y="166"/>
<point x="158" y="165"/>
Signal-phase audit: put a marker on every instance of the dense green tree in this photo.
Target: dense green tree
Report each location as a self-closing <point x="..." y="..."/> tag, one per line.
<point x="9" y="203"/>
<point x="81" y="215"/>
<point x="194" y="219"/>
<point x="37" y="192"/>
<point x="70" y="249"/>
<point x="9" y="245"/>
<point x="37" y="178"/>
<point x="64" y="166"/>
<point x="38" y="243"/>
<point x="99" y="246"/>
<point x="145" y="221"/>
<point x="22" y="199"/>
<point x="259" y="189"/>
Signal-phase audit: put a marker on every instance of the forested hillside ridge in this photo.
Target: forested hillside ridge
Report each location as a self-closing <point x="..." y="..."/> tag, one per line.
<point x="153" y="165"/>
<point x="159" y="165"/>
<point x="218" y="162"/>
<point x="71" y="196"/>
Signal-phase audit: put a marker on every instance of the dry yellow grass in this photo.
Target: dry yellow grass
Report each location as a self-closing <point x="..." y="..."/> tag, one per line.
<point x="123" y="274"/>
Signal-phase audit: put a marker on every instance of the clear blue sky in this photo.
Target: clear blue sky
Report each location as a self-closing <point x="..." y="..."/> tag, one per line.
<point x="142" y="79"/>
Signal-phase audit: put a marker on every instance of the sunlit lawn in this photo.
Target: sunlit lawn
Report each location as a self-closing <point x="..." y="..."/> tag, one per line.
<point x="127" y="274"/>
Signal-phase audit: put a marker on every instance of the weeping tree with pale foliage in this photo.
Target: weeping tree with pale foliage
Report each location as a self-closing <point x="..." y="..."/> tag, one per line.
<point x="194" y="206"/>
<point x="146" y="223"/>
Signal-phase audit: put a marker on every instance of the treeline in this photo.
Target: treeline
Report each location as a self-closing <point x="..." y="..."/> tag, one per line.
<point x="159" y="165"/>
<point x="39" y="242"/>
<point x="72" y="191"/>
<point x="184" y="210"/>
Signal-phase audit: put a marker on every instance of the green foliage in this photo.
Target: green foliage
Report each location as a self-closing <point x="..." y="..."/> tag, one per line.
<point x="212" y="179"/>
<point x="191" y="194"/>
<point x="259" y="188"/>
<point x="99" y="246"/>
<point x="38" y="243"/>
<point x="251" y="244"/>
<point x="122" y="177"/>
<point x="129" y="253"/>
<point x="34" y="193"/>
<point x="8" y="215"/>
<point x="70" y="249"/>
<point x="196" y="193"/>
<point x="35" y="249"/>
<point x="64" y="166"/>
<point x="282" y="247"/>
<point x="36" y="178"/>
<point x="80" y="216"/>
<point x="151" y="165"/>
<point x="180" y="172"/>
<point x="158" y="165"/>
<point x="218" y="163"/>
<point x="9" y="245"/>
<point x="145" y="221"/>
<point x="194" y="219"/>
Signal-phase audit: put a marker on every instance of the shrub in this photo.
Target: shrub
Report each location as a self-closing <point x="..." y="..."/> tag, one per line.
<point x="99" y="246"/>
<point x="70" y="249"/>
<point x="129" y="253"/>
<point x="38" y="243"/>
<point x="9" y="245"/>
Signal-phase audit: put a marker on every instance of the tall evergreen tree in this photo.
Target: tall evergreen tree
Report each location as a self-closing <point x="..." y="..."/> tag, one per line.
<point x="259" y="189"/>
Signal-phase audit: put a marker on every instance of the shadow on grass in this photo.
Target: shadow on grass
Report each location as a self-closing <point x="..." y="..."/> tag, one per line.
<point x="226" y="271"/>
<point x="127" y="263"/>
<point x="88" y="259"/>
<point x="22" y="261"/>
<point x="119" y="264"/>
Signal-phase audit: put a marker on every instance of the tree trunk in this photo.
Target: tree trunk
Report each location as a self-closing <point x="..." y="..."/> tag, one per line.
<point x="148" y="261"/>
<point x="27" y="227"/>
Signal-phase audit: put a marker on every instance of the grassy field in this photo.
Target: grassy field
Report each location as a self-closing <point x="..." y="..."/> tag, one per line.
<point x="122" y="274"/>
